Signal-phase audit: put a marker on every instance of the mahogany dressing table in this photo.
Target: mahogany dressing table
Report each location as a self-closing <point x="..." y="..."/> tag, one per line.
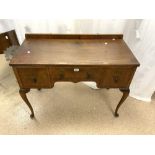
<point x="44" y="59"/>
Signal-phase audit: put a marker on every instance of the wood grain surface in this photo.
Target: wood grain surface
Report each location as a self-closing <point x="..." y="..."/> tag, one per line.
<point x="45" y="51"/>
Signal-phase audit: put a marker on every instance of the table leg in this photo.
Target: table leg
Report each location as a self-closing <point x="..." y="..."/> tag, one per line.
<point x="22" y="93"/>
<point x="125" y="92"/>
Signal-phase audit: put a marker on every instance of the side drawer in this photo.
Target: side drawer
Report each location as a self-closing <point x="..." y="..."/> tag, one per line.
<point x="118" y="77"/>
<point x="33" y="77"/>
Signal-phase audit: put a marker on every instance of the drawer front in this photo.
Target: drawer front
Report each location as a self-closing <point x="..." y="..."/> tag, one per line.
<point x="110" y="77"/>
<point x="118" y="77"/>
<point x="76" y="74"/>
<point x="34" y="77"/>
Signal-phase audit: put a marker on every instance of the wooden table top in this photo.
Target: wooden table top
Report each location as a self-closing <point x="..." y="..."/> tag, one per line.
<point x="50" y="49"/>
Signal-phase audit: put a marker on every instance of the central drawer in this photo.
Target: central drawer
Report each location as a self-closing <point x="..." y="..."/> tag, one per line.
<point x="106" y="77"/>
<point x="76" y="73"/>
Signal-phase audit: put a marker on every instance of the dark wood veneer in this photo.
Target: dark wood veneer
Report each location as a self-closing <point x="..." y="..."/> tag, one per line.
<point x="73" y="36"/>
<point x="8" y="39"/>
<point x="44" y="59"/>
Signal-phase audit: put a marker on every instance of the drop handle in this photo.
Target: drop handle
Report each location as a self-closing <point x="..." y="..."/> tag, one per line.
<point x="116" y="79"/>
<point x="61" y="76"/>
<point x="34" y="80"/>
<point x="88" y="76"/>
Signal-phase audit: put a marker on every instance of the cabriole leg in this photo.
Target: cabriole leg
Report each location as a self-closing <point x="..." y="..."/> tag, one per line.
<point x="22" y="93"/>
<point x="125" y="92"/>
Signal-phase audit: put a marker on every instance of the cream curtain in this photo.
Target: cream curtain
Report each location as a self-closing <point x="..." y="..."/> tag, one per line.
<point x="138" y="34"/>
<point x="62" y="26"/>
<point x="140" y="37"/>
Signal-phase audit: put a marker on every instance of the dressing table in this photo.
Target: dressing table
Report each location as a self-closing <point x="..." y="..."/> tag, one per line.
<point x="44" y="59"/>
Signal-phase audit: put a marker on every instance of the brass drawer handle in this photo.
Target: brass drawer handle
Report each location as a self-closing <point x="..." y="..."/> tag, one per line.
<point x="116" y="79"/>
<point x="88" y="76"/>
<point x="61" y="76"/>
<point x="34" y="80"/>
<point x="76" y="69"/>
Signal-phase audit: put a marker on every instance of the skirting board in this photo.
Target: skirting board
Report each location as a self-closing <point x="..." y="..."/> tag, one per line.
<point x="140" y="98"/>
